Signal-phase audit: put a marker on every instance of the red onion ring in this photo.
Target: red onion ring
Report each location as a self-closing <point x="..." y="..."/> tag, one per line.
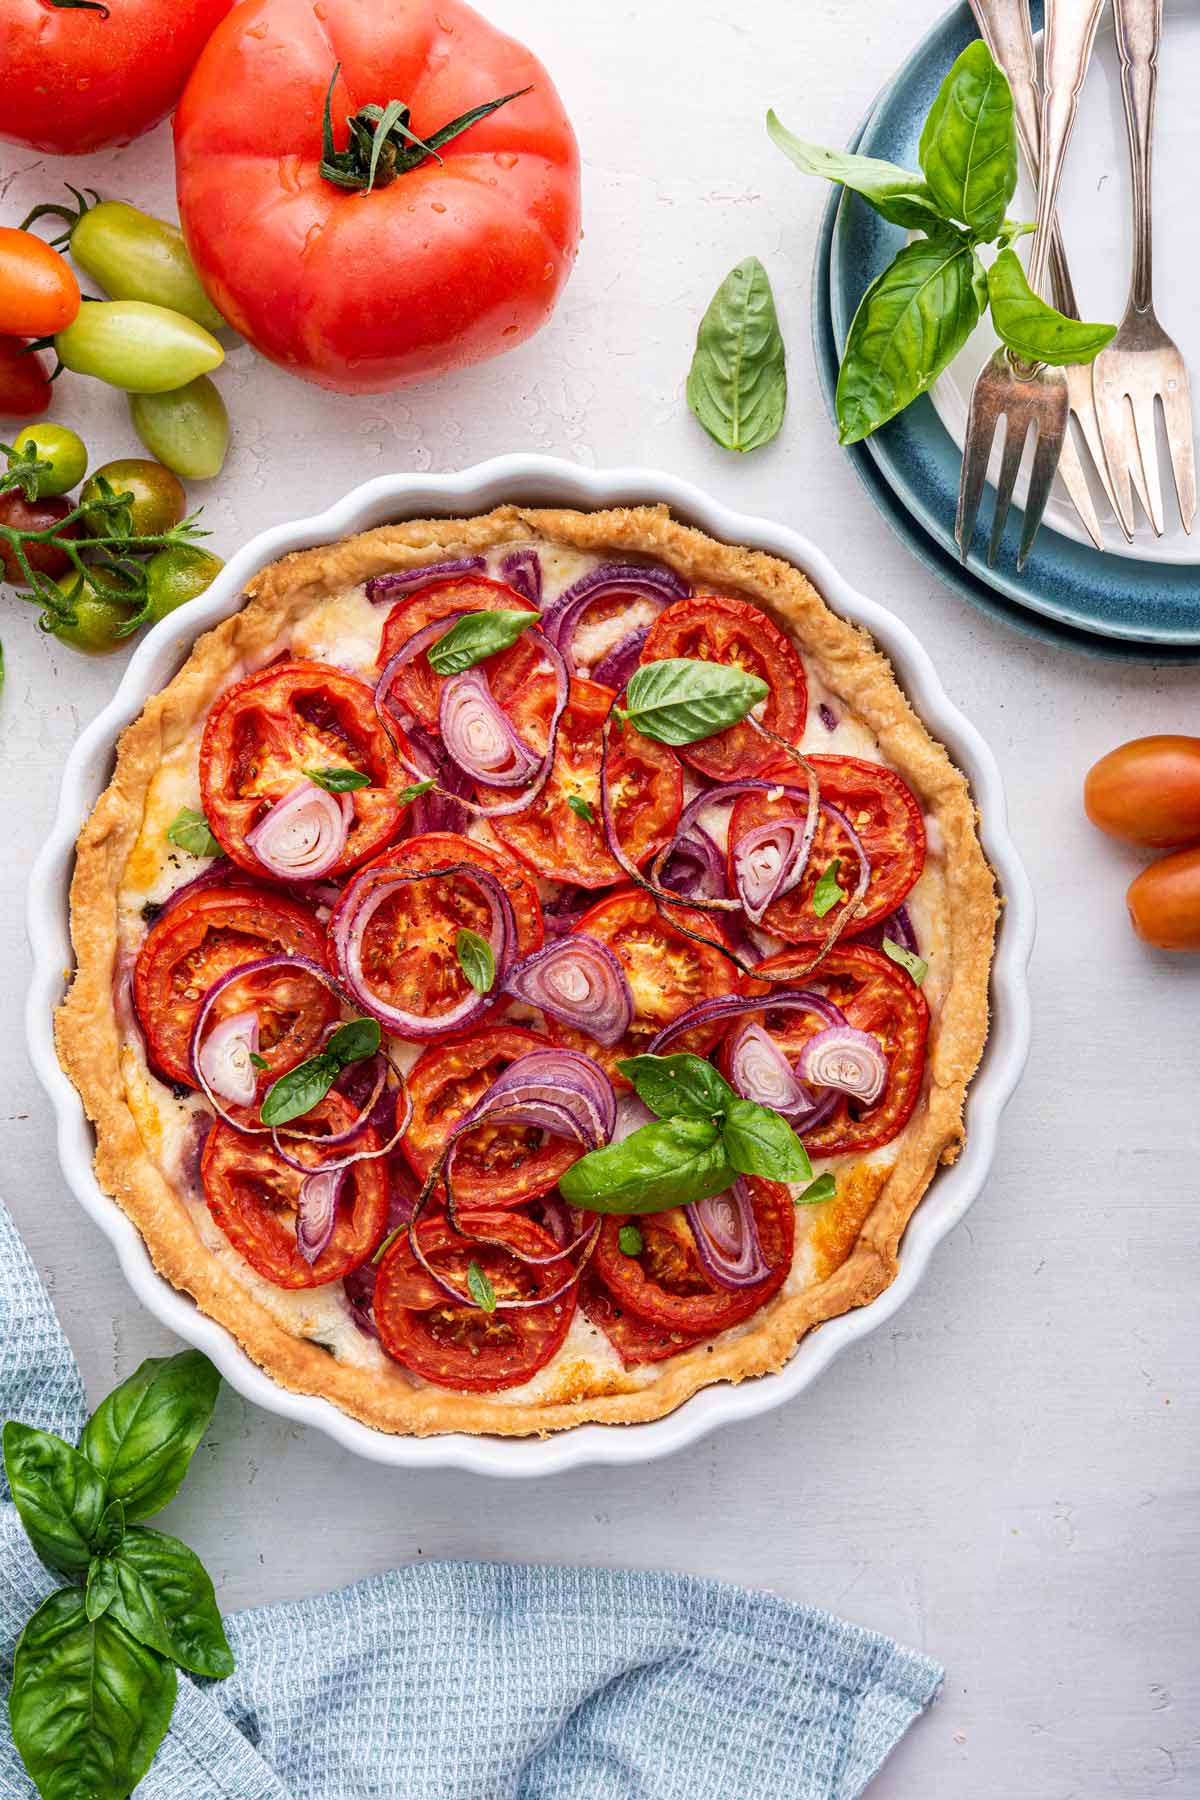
<point x="316" y="1211"/>
<point x="735" y="1006"/>
<point x="522" y="569"/>
<point x="707" y="873"/>
<point x="284" y="842"/>
<point x="648" y="581"/>
<point x="467" y="706"/>
<point x="218" y="1056"/>
<point x="615" y="669"/>
<point x="727" y="1238"/>
<point x="850" y="1061"/>
<point x="760" y="1071"/>
<point x="898" y="926"/>
<point x="785" y="844"/>
<point x="406" y="581"/>
<point x="579" y="981"/>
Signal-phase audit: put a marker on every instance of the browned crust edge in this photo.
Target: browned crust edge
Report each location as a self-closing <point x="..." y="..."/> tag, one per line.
<point x="88" y="1036"/>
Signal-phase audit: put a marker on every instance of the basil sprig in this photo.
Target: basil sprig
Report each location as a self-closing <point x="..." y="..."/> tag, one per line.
<point x="189" y="830"/>
<point x="703" y="1137"/>
<point x="823" y="1188"/>
<point x="475" y="959"/>
<point x="917" y="315"/>
<point x="916" y="965"/>
<point x="680" y="699"/>
<point x="581" y="808"/>
<point x="828" y="890"/>
<point x="737" y="384"/>
<point x="94" y="1672"/>
<point x="414" y="791"/>
<point x="305" y="1086"/>
<point x="339" y="781"/>
<point x="476" y="636"/>
<point x="480" y="1288"/>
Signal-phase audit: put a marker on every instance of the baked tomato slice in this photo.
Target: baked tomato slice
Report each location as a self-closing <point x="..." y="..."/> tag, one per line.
<point x="458" y="1345"/>
<point x="667" y="970"/>
<point x="886" y="816"/>
<point x="204" y="936"/>
<point x="713" y="628"/>
<point x="878" y="997"/>
<point x="667" y="1285"/>
<point x="408" y="949"/>
<point x="635" y="1340"/>
<point x="495" y="1166"/>
<point x="645" y="789"/>
<point x="253" y="1195"/>
<point x="265" y="732"/>
<point x="418" y="687"/>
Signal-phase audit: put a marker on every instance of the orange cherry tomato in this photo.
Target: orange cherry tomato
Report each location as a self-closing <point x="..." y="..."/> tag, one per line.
<point x="39" y="295"/>
<point x="1147" y="792"/>
<point x="1164" y="901"/>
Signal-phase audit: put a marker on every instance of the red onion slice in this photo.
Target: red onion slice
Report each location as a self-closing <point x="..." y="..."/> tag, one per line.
<point x="769" y="861"/>
<point x="645" y="581"/>
<point x="579" y="981"/>
<point x="694" y="865"/>
<point x="727" y="1238"/>
<point x="225" y="1058"/>
<point x="734" y="1006"/>
<point x="851" y="1061"/>
<point x="898" y="926"/>
<point x="316" y="1211"/>
<point x="615" y="669"/>
<point x="406" y="581"/>
<point x="760" y="1071"/>
<point x="361" y="900"/>
<point x="304" y="834"/>
<point x="478" y="736"/>
<point x="522" y="569"/>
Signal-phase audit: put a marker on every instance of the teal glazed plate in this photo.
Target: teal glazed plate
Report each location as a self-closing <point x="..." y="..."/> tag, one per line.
<point x="911" y="466"/>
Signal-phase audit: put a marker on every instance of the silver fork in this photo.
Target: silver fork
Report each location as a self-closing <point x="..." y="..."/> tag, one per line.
<point x="1142" y="363"/>
<point x="1030" y="397"/>
<point x="1005" y="27"/>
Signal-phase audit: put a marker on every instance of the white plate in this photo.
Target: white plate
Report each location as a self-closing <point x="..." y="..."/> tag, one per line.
<point x="539" y="481"/>
<point x="1094" y="207"/>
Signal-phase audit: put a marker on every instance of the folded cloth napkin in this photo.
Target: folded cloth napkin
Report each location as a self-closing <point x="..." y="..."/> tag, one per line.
<point x="468" y="1681"/>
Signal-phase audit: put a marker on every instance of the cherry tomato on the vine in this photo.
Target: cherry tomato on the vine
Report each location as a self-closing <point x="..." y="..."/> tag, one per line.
<point x="24" y="384"/>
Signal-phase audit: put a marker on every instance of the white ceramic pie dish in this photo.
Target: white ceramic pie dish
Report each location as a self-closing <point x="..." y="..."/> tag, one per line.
<point x="533" y="480"/>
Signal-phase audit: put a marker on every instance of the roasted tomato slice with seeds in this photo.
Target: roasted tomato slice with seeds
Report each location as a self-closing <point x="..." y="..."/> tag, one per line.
<point x="418" y="686"/>
<point x="667" y="971"/>
<point x="634" y="1340"/>
<point x="878" y="997"/>
<point x="408" y="952"/>
<point x="645" y="789"/>
<point x="456" y="1344"/>
<point x="713" y="628"/>
<point x="263" y="733"/>
<point x="204" y="936"/>
<point x="883" y="811"/>
<point x="497" y="1165"/>
<point x="667" y="1285"/>
<point x="252" y="1194"/>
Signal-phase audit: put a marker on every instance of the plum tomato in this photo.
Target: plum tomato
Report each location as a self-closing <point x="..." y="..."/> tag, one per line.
<point x="1147" y="792"/>
<point x="1164" y="901"/>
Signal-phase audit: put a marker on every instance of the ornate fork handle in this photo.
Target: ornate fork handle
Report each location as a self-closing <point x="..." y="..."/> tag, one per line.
<point x="1139" y="28"/>
<point x="1067" y="49"/>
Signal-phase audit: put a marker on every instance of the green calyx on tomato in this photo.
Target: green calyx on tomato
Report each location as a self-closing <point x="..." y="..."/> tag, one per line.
<point x="45" y="460"/>
<point x="132" y="255"/>
<point x="382" y="144"/>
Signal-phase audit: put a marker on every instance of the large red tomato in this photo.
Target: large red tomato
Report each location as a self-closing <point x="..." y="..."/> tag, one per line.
<point x="75" y="78"/>
<point x="442" y="263"/>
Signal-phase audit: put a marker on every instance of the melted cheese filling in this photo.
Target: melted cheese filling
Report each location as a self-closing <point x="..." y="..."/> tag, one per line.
<point x="345" y="629"/>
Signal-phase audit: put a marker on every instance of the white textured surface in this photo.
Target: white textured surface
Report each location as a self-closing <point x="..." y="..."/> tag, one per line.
<point x="1006" y="1476"/>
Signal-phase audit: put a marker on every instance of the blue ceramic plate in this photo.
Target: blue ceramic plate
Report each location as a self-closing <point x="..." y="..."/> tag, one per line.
<point x="1140" y="603"/>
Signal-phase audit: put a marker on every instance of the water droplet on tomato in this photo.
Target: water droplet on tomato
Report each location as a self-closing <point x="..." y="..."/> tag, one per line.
<point x="505" y="159"/>
<point x="548" y="272"/>
<point x="445" y="24"/>
<point x="508" y="331"/>
<point x="256" y="31"/>
<point x="84" y="83"/>
<point x="310" y="237"/>
<point x="289" y="172"/>
<point x="437" y="206"/>
<point x="320" y="12"/>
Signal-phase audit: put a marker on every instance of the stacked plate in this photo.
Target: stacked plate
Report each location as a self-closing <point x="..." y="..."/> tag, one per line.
<point x="1140" y="601"/>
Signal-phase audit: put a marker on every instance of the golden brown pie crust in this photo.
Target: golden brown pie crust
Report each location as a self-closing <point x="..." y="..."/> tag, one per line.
<point x="858" y="1247"/>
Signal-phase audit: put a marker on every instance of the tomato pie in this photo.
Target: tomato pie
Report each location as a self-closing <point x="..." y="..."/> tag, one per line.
<point x="529" y="967"/>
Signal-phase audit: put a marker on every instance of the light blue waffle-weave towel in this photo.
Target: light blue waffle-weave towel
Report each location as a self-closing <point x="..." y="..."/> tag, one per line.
<point x="477" y="1681"/>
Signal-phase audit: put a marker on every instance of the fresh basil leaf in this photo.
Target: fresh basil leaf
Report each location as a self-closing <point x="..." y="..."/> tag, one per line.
<point x="111" y="1529"/>
<point x="761" y="1142"/>
<point x="302" y="1088"/>
<point x="737" y="384"/>
<point x="163" y="1597"/>
<point x="1012" y="229"/>
<point x="680" y="700"/>
<point x="630" y="1240"/>
<point x="680" y="1086"/>
<point x="913" y="319"/>
<point x="189" y="831"/>
<point x="899" y="195"/>
<point x="475" y="959"/>
<point x="477" y="635"/>
<point x="339" y="781"/>
<point x="968" y="146"/>
<point x="823" y="1188"/>
<point x="354" y="1041"/>
<point x="1030" y="327"/>
<point x="916" y="965"/>
<point x="58" y="1494"/>
<point x="414" y="792"/>
<point x="828" y="890"/>
<point x="480" y="1288"/>
<point x="141" y="1439"/>
<point x="89" y="1704"/>
<point x="581" y="808"/>
<point x="668" y="1163"/>
<point x="260" y="1062"/>
<point x="101" y="1587"/>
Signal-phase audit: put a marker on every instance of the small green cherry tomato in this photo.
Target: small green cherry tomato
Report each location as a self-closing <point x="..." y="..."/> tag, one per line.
<point x="159" y="501"/>
<point x="59" y="446"/>
<point x="176" y="573"/>
<point x="132" y="345"/>
<point x="136" y="257"/>
<point x="96" y="627"/>
<point x="187" y="428"/>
